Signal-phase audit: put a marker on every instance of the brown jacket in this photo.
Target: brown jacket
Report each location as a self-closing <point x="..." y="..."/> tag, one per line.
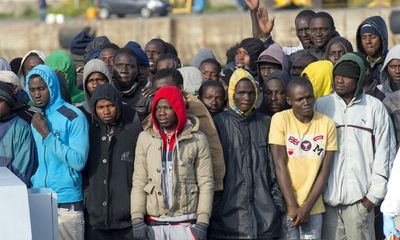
<point x="193" y="181"/>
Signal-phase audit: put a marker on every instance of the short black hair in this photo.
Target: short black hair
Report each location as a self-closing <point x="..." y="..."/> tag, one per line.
<point x="296" y="82"/>
<point x="174" y="74"/>
<point x="161" y="42"/>
<point x="171" y="49"/>
<point x="210" y="83"/>
<point x="212" y="61"/>
<point x="127" y="51"/>
<point x="110" y="45"/>
<point x="169" y="56"/>
<point x="306" y="13"/>
<point x="325" y="15"/>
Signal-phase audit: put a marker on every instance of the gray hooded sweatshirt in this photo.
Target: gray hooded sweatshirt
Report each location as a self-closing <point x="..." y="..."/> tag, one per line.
<point x="394" y="53"/>
<point x="94" y="65"/>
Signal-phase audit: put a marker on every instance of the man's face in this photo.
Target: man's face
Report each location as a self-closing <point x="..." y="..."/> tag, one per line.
<point x="31" y="62"/>
<point x="267" y="68"/>
<point x="245" y="95"/>
<point x="165" y="115"/>
<point x="303" y="31"/>
<point x="393" y="69"/>
<point x="345" y="86"/>
<point x="39" y="92"/>
<point x="107" y="56"/>
<point x="125" y="70"/>
<point x="106" y="111"/>
<point x="209" y="71"/>
<point x="95" y="79"/>
<point x="153" y="50"/>
<point x="242" y="58"/>
<point x="162" y="82"/>
<point x="214" y="99"/>
<point x="5" y="109"/>
<point x="143" y="73"/>
<point x="335" y="52"/>
<point x="320" y="31"/>
<point x="371" y="44"/>
<point x="275" y="96"/>
<point x="302" y="100"/>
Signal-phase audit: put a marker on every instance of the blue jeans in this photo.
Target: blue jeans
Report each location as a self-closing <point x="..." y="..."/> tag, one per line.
<point x="310" y="230"/>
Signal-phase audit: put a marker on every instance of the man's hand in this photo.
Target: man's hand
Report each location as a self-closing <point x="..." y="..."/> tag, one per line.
<point x="40" y="124"/>
<point x="302" y="215"/>
<point x="148" y="92"/>
<point x="367" y="204"/>
<point x="253" y="4"/>
<point x="265" y="23"/>
<point x="292" y="211"/>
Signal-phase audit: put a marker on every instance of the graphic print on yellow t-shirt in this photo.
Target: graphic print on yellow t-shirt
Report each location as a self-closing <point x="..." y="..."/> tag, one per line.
<point x="306" y="144"/>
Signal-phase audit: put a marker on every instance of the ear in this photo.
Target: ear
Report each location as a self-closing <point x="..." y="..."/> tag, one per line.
<point x="289" y="101"/>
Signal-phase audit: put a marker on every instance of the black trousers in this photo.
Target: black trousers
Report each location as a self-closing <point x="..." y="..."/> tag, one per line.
<point x="92" y="233"/>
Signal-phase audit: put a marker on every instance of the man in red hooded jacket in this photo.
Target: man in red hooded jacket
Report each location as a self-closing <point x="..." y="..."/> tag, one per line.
<point x="173" y="182"/>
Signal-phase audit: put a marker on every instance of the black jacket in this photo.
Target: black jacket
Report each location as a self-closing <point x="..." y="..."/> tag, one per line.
<point x="248" y="207"/>
<point x="109" y="169"/>
<point x="380" y="25"/>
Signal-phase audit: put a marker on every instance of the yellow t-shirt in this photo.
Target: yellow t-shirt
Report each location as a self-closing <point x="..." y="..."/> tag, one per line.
<point x="306" y="144"/>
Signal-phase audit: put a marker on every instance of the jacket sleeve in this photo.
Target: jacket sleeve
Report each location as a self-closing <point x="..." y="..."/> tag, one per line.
<point x="391" y="203"/>
<point x="139" y="180"/>
<point x="205" y="180"/>
<point x="208" y="127"/>
<point x="24" y="163"/>
<point x="75" y="152"/>
<point x="385" y="145"/>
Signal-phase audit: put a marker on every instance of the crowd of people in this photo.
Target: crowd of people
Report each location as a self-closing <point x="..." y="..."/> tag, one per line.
<point x="279" y="143"/>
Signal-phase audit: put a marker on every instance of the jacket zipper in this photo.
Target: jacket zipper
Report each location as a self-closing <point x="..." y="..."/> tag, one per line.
<point x="45" y="163"/>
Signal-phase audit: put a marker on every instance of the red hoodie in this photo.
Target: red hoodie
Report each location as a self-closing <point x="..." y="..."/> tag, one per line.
<point x="175" y="98"/>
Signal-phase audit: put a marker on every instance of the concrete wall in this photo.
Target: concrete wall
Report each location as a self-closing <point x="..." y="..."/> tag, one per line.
<point x="187" y="33"/>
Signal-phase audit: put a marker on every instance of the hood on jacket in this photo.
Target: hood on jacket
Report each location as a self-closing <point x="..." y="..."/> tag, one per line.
<point x="192" y="79"/>
<point x="356" y="59"/>
<point x="78" y="45"/>
<point x="273" y="54"/>
<point x="379" y="24"/>
<point x="342" y="41"/>
<point x="60" y="60"/>
<point x="175" y="98"/>
<point x="254" y="48"/>
<point x="106" y="92"/>
<point x="94" y="65"/>
<point x="394" y="53"/>
<point x="50" y="78"/>
<point x="20" y="74"/>
<point x="238" y="75"/>
<point x="320" y="75"/>
<point x="202" y="54"/>
<point x="281" y="75"/>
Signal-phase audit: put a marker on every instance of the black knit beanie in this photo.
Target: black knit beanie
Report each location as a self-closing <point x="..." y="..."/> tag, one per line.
<point x="6" y="94"/>
<point x="347" y="69"/>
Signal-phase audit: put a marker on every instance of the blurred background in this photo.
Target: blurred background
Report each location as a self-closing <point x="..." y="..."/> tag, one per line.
<point x="188" y="24"/>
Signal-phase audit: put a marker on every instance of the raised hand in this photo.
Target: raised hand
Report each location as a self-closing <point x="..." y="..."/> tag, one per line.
<point x="265" y="23"/>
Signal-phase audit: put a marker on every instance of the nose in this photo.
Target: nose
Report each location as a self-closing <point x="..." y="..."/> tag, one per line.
<point x="36" y="94"/>
<point x="274" y="96"/>
<point x="207" y="76"/>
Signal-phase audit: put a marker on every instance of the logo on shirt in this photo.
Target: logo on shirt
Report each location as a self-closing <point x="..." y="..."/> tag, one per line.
<point x="305" y="145"/>
<point x="319" y="137"/>
<point x="290" y="151"/>
<point x="125" y="157"/>
<point x="293" y="140"/>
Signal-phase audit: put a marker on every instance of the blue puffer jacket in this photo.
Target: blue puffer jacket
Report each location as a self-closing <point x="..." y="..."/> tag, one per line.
<point x="63" y="153"/>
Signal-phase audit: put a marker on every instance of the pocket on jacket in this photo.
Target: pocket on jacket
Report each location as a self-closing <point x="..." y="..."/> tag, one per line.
<point x="151" y="201"/>
<point x="189" y="197"/>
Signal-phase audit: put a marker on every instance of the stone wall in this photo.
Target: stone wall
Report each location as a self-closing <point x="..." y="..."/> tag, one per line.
<point x="187" y="32"/>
